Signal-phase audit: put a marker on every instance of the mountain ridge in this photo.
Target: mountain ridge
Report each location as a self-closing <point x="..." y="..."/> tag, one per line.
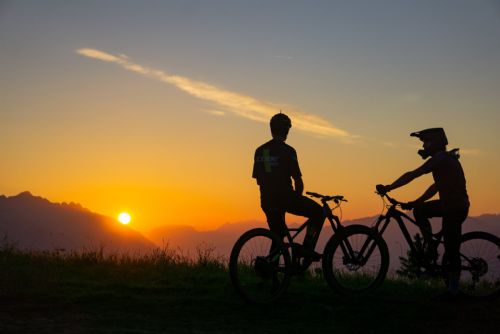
<point x="223" y="238"/>
<point x="35" y="223"/>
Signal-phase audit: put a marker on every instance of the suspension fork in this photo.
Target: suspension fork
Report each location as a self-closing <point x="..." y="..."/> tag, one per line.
<point x="337" y="228"/>
<point x="369" y="244"/>
<point x="383" y="221"/>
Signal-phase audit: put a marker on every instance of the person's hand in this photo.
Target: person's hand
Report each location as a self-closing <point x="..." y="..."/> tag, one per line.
<point x="408" y="206"/>
<point x="382" y="189"/>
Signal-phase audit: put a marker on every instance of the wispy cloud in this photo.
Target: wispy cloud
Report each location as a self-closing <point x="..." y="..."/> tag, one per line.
<point x="215" y="112"/>
<point x="236" y="103"/>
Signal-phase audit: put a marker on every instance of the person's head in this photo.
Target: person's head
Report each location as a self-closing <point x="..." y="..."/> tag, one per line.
<point x="280" y="125"/>
<point x="433" y="141"/>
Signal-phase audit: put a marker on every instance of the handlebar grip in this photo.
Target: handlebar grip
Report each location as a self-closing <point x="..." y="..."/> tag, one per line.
<point x="338" y="199"/>
<point x="380" y="189"/>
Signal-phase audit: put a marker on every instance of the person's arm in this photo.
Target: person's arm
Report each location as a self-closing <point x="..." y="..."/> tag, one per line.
<point x="295" y="173"/>
<point x="255" y="168"/>
<point x="409" y="176"/>
<point x="403" y="180"/>
<point x="428" y="194"/>
<point x="299" y="185"/>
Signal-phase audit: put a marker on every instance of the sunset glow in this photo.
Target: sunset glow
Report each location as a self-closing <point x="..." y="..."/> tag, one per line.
<point x="124" y="218"/>
<point x="160" y="113"/>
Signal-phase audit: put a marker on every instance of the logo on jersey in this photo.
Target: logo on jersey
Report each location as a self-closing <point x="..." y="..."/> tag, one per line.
<point x="268" y="160"/>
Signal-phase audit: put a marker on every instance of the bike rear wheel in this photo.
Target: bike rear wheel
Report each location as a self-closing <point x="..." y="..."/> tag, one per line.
<point x="260" y="266"/>
<point x="355" y="260"/>
<point x="480" y="254"/>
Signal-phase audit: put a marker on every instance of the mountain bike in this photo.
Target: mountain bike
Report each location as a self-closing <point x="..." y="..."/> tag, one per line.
<point x="479" y="253"/>
<point x="261" y="263"/>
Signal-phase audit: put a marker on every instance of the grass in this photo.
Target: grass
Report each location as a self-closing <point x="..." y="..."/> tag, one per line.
<point x="166" y="292"/>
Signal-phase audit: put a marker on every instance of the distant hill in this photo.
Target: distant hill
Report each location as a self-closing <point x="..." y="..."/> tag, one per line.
<point x="189" y="240"/>
<point x="33" y="222"/>
<point x="223" y="238"/>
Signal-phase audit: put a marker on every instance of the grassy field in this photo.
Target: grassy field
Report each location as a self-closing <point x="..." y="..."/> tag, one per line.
<point x="165" y="292"/>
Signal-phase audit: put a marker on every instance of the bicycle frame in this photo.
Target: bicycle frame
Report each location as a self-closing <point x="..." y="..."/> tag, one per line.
<point x="327" y="215"/>
<point x="399" y="216"/>
<point x="393" y="213"/>
<point x="333" y="219"/>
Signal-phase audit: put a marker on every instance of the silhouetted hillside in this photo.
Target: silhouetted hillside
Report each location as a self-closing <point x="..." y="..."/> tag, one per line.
<point x="188" y="239"/>
<point x="223" y="238"/>
<point x="33" y="222"/>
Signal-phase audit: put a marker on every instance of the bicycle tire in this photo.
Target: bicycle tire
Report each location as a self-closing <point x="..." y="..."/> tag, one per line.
<point x="480" y="275"/>
<point x="258" y="276"/>
<point x="349" y="274"/>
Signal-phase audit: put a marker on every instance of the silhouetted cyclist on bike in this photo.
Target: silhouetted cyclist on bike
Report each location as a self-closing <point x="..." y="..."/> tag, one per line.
<point x="453" y="203"/>
<point x="275" y="165"/>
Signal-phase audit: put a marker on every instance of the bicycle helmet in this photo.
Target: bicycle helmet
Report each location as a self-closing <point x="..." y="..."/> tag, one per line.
<point x="434" y="140"/>
<point x="280" y="124"/>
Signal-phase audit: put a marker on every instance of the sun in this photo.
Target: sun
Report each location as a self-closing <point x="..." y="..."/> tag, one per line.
<point x="124" y="218"/>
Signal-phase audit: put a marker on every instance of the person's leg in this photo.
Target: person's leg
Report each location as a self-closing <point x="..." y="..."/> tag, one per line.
<point x="306" y="207"/>
<point x="276" y="220"/>
<point x="452" y="233"/>
<point x="422" y="212"/>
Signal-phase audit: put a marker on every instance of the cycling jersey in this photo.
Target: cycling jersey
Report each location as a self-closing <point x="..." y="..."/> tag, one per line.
<point x="275" y="163"/>
<point x="449" y="179"/>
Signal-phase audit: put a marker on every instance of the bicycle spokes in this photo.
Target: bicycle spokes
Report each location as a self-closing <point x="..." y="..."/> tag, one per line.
<point x="259" y="266"/>
<point x="480" y="254"/>
<point x="356" y="260"/>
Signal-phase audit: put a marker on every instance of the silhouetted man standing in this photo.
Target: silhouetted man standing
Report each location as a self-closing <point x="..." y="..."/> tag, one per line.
<point x="275" y="165"/>
<point x="453" y="203"/>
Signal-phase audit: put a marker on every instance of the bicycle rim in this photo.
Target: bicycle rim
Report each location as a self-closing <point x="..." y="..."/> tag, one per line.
<point x="347" y="265"/>
<point x="480" y="254"/>
<point x="259" y="273"/>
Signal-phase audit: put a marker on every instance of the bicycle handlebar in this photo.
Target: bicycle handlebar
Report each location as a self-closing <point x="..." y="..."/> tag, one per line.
<point x="390" y="199"/>
<point x="335" y="198"/>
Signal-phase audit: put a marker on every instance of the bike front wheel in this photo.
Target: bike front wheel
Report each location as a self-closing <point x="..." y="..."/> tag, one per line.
<point x="355" y="260"/>
<point x="480" y="255"/>
<point x="260" y="266"/>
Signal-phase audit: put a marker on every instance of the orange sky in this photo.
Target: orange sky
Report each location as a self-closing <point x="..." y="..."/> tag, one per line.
<point x="159" y="115"/>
